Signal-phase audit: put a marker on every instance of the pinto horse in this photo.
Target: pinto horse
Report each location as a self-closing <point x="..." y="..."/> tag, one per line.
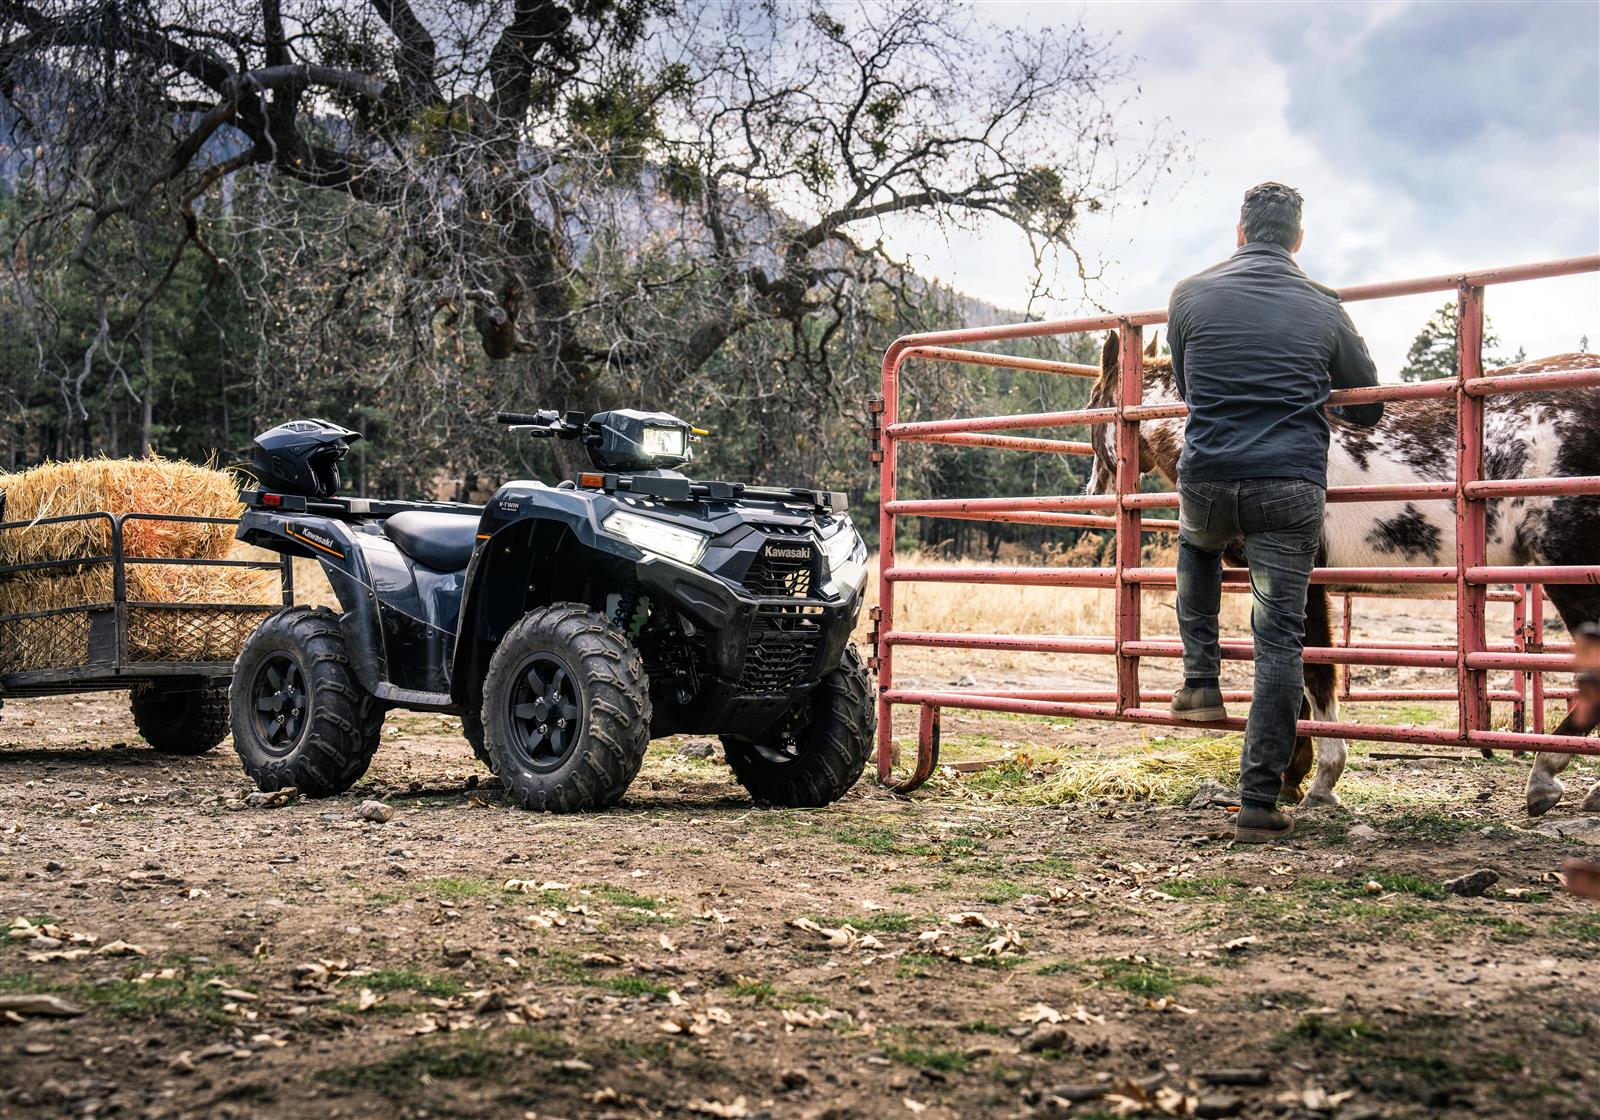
<point x="1526" y="435"/>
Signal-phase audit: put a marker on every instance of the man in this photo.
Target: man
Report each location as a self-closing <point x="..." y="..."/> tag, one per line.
<point x="1256" y="346"/>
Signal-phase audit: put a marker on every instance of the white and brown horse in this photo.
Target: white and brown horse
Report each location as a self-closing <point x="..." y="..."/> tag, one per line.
<point x="1526" y="435"/>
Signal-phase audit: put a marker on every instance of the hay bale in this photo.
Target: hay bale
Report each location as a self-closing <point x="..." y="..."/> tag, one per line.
<point x="196" y="632"/>
<point x="150" y="485"/>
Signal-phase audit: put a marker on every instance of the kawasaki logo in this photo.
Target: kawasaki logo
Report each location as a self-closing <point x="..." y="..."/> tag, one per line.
<point x="779" y="552"/>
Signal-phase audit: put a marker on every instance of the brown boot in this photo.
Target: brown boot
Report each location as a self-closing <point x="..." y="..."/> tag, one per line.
<point x="1261" y="826"/>
<point x="1198" y="705"/>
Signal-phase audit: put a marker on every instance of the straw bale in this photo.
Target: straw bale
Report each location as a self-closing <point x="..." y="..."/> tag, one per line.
<point x="150" y="485"/>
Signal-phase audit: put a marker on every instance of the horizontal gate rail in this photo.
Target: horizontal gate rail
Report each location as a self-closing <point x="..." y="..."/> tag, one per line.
<point x="1471" y="581"/>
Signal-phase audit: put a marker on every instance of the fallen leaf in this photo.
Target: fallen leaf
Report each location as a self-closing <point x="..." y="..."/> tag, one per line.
<point x="971" y="918"/>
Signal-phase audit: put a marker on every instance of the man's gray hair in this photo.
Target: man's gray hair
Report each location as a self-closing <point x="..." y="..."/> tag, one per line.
<point x="1271" y="212"/>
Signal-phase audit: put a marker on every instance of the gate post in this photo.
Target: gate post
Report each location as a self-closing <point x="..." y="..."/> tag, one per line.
<point x="889" y="409"/>
<point x="1471" y="521"/>
<point x="1130" y="392"/>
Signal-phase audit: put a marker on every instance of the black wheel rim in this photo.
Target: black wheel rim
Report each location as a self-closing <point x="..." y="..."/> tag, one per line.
<point x="280" y="704"/>
<point x="546" y="715"/>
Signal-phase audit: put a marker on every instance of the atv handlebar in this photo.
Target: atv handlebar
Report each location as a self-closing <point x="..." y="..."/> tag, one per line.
<point x="526" y="417"/>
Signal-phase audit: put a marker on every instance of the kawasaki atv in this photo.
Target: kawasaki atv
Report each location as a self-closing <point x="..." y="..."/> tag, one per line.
<point x="566" y="625"/>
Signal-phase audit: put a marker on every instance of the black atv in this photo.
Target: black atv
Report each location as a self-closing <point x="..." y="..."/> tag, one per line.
<point x="566" y="625"/>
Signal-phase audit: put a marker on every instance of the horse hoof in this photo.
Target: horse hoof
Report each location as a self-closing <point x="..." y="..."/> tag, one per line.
<point x="1542" y="802"/>
<point x="1317" y="798"/>
<point x="1591" y="804"/>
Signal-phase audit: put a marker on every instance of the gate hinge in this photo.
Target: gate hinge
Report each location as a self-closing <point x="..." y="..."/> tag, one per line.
<point x="875" y="427"/>
<point x="876" y="614"/>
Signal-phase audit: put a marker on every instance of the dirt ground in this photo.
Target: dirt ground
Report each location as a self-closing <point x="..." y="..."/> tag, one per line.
<point x="948" y="954"/>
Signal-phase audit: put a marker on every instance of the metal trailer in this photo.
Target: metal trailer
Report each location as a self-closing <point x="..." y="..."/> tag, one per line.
<point x="1471" y="582"/>
<point x="177" y="658"/>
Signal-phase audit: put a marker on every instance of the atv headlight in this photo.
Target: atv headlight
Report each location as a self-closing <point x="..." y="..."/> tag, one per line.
<point x="664" y="441"/>
<point x="683" y="545"/>
<point x="843" y="549"/>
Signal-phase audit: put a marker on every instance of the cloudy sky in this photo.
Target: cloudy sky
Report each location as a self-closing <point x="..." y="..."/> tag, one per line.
<point x="1426" y="137"/>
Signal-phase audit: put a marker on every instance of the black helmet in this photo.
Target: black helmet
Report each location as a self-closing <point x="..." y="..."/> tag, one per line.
<point x="301" y="457"/>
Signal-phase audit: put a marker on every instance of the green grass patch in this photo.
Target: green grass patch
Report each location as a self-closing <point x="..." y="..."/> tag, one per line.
<point x="877" y="921"/>
<point x="880" y="840"/>
<point x="1145" y="978"/>
<point x="982" y="1026"/>
<point x="1439" y="827"/>
<point x="633" y="986"/>
<point x="186" y="995"/>
<point x="407" y="980"/>
<point x="1330" y="1032"/>
<point x="1400" y="883"/>
<point x="1200" y="886"/>
<point x="997" y="892"/>
<point x="917" y="964"/>
<point x="454" y="889"/>
<point x="1585" y="929"/>
<point x="922" y="1057"/>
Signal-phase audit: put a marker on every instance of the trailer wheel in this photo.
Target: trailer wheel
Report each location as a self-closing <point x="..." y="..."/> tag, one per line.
<point x="566" y="710"/>
<point x="813" y="758"/>
<point x="300" y="716"/>
<point x="181" y="720"/>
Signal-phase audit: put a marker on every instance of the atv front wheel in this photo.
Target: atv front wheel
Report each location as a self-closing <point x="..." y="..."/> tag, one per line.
<point x="181" y="720"/>
<point x="566" y="710"/>
<point x="300" y="716"/>
<point x="814" y="757"/>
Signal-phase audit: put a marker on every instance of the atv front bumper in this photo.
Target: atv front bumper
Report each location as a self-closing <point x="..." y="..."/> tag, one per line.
<point x="761" y="656"/>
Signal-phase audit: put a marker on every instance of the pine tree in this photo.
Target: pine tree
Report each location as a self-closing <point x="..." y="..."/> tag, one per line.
<point x="1433" y="351"/>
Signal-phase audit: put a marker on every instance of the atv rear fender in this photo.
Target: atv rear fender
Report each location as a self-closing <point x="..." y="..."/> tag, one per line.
<point x="398" y="617"/>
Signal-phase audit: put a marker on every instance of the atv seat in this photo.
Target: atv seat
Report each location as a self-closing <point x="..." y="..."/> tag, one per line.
<point x="441" y="541"/>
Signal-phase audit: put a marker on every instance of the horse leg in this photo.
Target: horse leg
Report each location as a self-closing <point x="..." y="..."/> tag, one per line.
<point x="1577" y="604"/>
<point x="1322" y="701"/>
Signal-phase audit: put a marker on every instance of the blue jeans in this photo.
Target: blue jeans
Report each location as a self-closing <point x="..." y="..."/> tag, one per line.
<point x="1280" y="520"/>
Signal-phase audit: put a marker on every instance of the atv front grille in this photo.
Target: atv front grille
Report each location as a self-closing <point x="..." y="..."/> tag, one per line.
<point x="782" y="649"/>
<point x="781" y="573"/>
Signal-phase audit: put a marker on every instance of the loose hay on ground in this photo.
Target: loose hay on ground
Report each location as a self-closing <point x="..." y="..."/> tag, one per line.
<point x="1168" y="771"/>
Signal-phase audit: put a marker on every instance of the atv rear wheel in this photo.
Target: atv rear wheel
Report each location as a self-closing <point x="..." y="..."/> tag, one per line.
<point x="566" y="710"/>
<point x="181" y="720"/>
<point x="814" y="757"/>
<point x="300" y="716"/>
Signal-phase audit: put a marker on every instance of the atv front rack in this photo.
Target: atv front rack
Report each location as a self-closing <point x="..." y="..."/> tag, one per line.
<point x="675" y="488"/>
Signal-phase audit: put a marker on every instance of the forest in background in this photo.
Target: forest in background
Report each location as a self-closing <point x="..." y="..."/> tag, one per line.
<point x="406" y="216"/>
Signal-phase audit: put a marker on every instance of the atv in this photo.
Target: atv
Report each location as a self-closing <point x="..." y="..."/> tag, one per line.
<point x="566" y="625"/>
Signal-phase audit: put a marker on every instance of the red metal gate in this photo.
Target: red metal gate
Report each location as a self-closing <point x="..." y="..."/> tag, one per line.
<point x="1471" y="657"/>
